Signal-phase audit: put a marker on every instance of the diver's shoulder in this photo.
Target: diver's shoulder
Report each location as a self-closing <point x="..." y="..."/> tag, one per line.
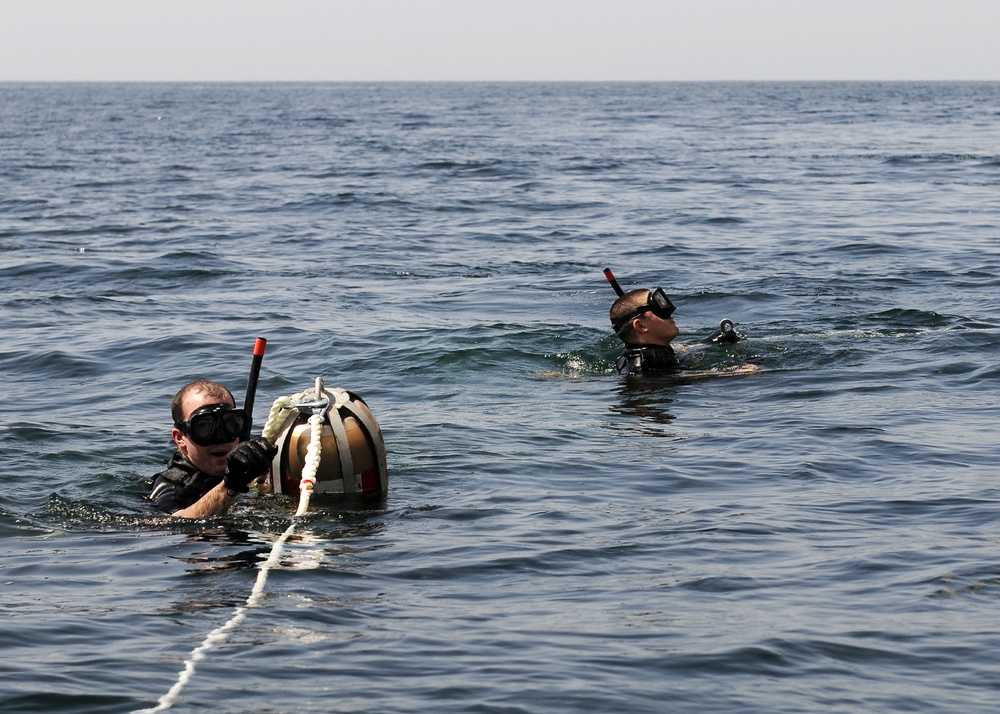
<point x="636" y="359"/>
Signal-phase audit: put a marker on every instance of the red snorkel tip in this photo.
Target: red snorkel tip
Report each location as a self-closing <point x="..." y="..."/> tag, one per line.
<point x="614" y="283"/>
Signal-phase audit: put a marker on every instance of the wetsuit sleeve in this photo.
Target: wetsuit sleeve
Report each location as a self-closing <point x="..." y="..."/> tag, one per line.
<point x="628" y="363"/>
<point x="180" y="485"/>
<point x="165" y="495"/>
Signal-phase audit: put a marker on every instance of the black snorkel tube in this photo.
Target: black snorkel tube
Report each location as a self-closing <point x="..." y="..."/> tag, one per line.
<point x="258" y="357"/>
<point x="614" y="283"/>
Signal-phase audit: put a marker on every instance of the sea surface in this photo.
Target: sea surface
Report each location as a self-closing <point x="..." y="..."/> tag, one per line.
<point x="821" y="535"/>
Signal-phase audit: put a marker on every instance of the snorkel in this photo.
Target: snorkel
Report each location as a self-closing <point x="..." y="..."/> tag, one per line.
<point x="258" y="356"/>
<point x="614" y="283"/>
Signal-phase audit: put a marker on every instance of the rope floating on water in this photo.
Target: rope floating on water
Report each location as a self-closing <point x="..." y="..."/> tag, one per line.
<point x="219" y="634"/>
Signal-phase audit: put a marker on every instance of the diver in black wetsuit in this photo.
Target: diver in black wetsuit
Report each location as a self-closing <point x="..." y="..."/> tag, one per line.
<point x="643" y="320"/>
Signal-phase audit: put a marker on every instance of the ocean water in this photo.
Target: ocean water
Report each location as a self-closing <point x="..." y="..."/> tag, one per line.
<point x="822" y="535"/>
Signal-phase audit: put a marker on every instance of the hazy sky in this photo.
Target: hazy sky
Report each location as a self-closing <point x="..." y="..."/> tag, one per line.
<point x="259" y="40"/>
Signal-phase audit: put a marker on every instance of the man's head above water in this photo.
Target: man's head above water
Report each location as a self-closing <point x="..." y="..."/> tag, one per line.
<point x="644" y="317"/>
<point x="212" y="402"/>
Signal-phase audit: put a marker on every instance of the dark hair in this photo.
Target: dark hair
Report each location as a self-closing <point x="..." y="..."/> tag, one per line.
<point x="625" y="306"/>
<point x="202" y="386"/>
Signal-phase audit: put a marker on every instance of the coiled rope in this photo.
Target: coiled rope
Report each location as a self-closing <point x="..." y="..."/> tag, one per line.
<point x="281" y="409"/>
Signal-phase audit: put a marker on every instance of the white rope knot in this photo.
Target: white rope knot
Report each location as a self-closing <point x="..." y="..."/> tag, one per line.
<point x="280" y="410"/>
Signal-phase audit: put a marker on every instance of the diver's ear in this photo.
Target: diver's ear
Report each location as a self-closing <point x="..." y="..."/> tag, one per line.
<point x="639" y="325"/>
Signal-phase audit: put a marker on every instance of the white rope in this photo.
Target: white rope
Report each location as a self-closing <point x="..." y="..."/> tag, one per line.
<point x="219" y="634"/>
<point x="280" y="410"/>
<point x="311" y="465"/>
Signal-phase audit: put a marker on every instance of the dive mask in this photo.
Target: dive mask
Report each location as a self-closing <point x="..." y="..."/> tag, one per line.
<point x="658" y="304"/>
<point x="214" y="424"/>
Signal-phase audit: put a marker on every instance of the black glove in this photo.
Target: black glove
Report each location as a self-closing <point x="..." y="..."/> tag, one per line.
<point x="248" y="461"/>
<point x="726" y="334"/>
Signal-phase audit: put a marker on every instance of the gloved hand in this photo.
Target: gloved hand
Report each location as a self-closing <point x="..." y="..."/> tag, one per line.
<point x="248" y="461"/>
<point x="726" y="334"/>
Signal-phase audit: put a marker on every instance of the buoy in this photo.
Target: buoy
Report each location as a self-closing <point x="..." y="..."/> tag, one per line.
<point x="352" y="459"/>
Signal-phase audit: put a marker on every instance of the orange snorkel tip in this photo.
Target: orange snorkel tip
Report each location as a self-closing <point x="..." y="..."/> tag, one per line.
<point x="614" y="283"/>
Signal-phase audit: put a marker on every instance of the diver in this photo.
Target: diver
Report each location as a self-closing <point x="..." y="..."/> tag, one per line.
<point x="215" y="461"/>
<point x="643" y="320"/>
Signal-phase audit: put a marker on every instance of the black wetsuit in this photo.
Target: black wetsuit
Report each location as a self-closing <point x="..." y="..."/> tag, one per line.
<point x="180" y="486"/>
<point x="642" y="359"/>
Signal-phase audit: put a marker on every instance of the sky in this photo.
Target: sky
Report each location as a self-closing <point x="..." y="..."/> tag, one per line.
<point x="498" y="40"/>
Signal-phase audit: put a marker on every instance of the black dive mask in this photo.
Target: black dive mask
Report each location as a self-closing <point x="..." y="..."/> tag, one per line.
<point x="658" y="304"/>
<point x="214" y="424"/>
